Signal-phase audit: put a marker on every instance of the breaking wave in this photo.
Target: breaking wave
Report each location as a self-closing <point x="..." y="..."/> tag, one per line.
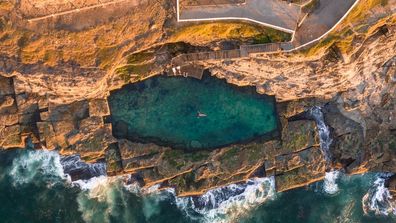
<point x="223" y="204"/>
<point x="50" y="166"/>
<point x="37" y="164"/>
<point x="330" y="185"/>
<point x="230" y="202"/>
<point x="99" y="198"/>
<point x="378" y="199"/>
<point x="107" y="199"/>
<point x="115" y="199"/>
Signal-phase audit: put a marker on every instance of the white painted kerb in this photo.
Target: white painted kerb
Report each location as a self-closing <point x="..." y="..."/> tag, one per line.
<point x="230" y="18"/>
<point x="269" y="25"/>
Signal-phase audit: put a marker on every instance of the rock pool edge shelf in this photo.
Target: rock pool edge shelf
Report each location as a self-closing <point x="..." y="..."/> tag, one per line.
<point x="240" y="91"/>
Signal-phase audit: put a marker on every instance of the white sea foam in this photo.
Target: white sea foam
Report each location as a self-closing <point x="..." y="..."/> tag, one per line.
<point x="103" y="198"/>
<point x="378" y="199"/>
<point x="229" y="202"/>
<point x="99" y="198"/>
<point x="92" y="184"/>
<point x="33" y="163"/>
<point x="330" y="185"/>
<point x="324" y="131"/>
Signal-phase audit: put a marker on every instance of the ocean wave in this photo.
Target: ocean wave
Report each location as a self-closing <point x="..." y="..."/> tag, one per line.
<point x="104" y="198"/>
<point x="37" y="164"/>
<point x="228" y="203"/>
<point x="330" y="185"/>
<point x="99" y="199"/>
<point x="378" y="199"/>
<point x="224" y="204"/>
<point x="116" y="199"/>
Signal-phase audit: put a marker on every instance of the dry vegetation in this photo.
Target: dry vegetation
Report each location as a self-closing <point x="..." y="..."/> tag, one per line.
<point x="201" y="34"/>
<point x="4" y="5"/>
<point x="104" y="46"/>
<point x="99" y="46"/>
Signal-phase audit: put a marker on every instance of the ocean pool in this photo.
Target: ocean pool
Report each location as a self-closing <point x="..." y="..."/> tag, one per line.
<point x="191" y="114"/>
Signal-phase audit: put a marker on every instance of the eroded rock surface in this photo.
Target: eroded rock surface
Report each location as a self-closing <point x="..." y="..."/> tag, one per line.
<point x="58" y="101"/>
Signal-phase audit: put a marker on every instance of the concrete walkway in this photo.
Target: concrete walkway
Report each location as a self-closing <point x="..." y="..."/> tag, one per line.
<point x="321" y="20"/>
<point x="279" y="15"/>
<point x="313" y="28"/>
<point x="276" y="14"/>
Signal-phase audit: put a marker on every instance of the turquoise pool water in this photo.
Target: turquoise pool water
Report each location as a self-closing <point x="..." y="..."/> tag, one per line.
<point x="191" y="114"/>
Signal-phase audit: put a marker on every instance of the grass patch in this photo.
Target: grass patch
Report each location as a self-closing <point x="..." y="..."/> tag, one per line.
<point x="324" y="44"/>
<point x="105" y="56"/>
<point x="140" y="70"/>
<point x="345" y="44"/>
<point x="266" y="38"/>
<point x="361" y="10"/>
<point x="140" y="57"/>
<point x="209" y="32"/>
<point x="51" y="57"/>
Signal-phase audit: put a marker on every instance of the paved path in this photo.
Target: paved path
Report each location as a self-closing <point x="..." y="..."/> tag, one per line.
<point x="272" y="13"/>
<point x="321" y="20"/>
<point x="78" y="10"/>
<point x="314" y="27"/>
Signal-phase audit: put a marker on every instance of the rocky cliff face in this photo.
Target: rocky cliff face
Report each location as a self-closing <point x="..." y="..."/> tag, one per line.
<point x="53" y="89"/>
<point x="361" y="92"/>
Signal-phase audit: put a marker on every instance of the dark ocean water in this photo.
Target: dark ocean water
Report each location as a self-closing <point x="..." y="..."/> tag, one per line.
<point x="34" y="188"/>
<point x="166" y="110"/>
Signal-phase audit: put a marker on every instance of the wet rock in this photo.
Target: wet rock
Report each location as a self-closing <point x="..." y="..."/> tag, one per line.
<point x="391" y="184"/>
<point x="79" y="170"/>
<point x="258" y="172"/>
<point x="139" y="179"/>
